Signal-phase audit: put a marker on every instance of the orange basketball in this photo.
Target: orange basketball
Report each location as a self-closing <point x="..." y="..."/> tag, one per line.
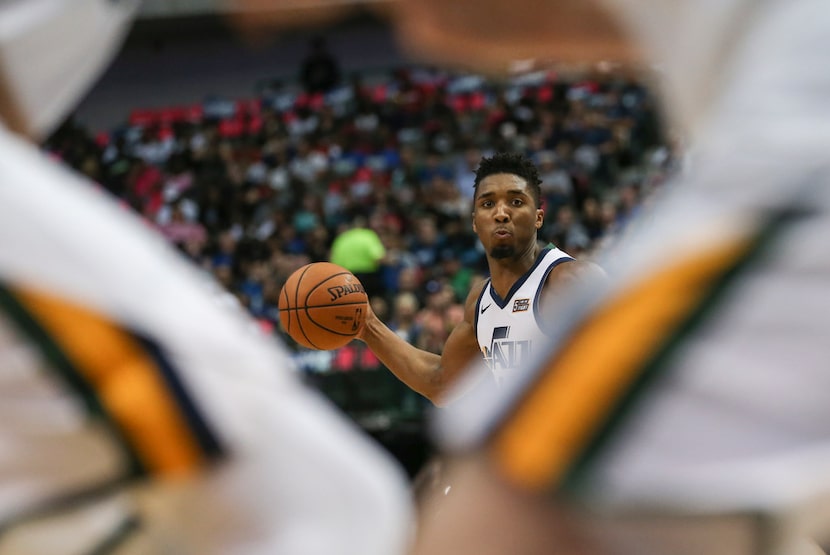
<point x="322" y="306"/>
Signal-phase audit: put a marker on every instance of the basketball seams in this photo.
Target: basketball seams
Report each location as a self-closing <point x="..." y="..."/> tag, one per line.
<point x="328" y="329"/>
<point x="307" y="306"/>
<point x="287" y="310"/>
<point x="321" y="284"/>
<point x="297" y="304"/>
<point x="355" y="303"/>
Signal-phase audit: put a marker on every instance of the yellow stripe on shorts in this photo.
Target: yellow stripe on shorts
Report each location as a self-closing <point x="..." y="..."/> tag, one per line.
<point x="577" y="391"/>
<point x="126" y="379"/>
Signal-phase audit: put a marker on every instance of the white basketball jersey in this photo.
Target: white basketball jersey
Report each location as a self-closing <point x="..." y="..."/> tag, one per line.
<point x="509" y="329"/>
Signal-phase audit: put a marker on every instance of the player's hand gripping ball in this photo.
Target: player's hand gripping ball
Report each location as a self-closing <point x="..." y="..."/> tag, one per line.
<point x="323" y="306"/>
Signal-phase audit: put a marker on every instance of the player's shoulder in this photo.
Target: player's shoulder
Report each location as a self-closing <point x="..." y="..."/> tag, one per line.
<point x="575" y="271"/>
<point x="476" y="287"/>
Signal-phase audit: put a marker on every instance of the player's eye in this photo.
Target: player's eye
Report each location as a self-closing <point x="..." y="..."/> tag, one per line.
<point x="517" y="202"/>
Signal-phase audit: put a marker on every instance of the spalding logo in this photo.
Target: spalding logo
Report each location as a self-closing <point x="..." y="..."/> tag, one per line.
<point x="340" y="290"/>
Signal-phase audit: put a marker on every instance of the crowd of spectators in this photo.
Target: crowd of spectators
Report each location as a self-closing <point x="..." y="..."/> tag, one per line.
<point x="251" y="189"/>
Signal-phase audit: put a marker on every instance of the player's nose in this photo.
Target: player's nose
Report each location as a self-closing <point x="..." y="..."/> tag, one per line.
<point x="502" y="212"/>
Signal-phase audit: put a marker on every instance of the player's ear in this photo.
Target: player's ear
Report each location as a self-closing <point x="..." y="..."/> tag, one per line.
<point x="540" y="218"/>
<point x="473" y="219"/>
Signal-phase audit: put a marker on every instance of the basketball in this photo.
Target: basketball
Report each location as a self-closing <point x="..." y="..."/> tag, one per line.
<point x="322" y="306"/>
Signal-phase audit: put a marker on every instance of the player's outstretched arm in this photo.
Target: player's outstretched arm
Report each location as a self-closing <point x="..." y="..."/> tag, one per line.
<point x="429" y="374"/>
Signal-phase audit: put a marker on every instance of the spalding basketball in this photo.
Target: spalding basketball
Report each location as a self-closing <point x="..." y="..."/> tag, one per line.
<point x="322" y="306"/>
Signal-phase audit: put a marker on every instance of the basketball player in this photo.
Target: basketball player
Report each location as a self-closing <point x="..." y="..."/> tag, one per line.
<point x="141" y="413"/>
<point x="503" y="316"/>
<point x="685" y="407"/>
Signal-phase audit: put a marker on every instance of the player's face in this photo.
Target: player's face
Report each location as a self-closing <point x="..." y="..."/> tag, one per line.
<point x="505" y="216"/>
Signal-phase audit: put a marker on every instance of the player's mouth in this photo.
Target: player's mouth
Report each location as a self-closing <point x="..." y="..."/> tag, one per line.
<point x="502" y="234"/>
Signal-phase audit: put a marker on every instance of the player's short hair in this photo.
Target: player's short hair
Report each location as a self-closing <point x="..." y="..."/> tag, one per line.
<point x="512" y="163"/>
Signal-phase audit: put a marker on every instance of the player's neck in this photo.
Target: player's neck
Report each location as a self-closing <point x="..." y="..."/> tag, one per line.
<point x="505" y="271"/>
